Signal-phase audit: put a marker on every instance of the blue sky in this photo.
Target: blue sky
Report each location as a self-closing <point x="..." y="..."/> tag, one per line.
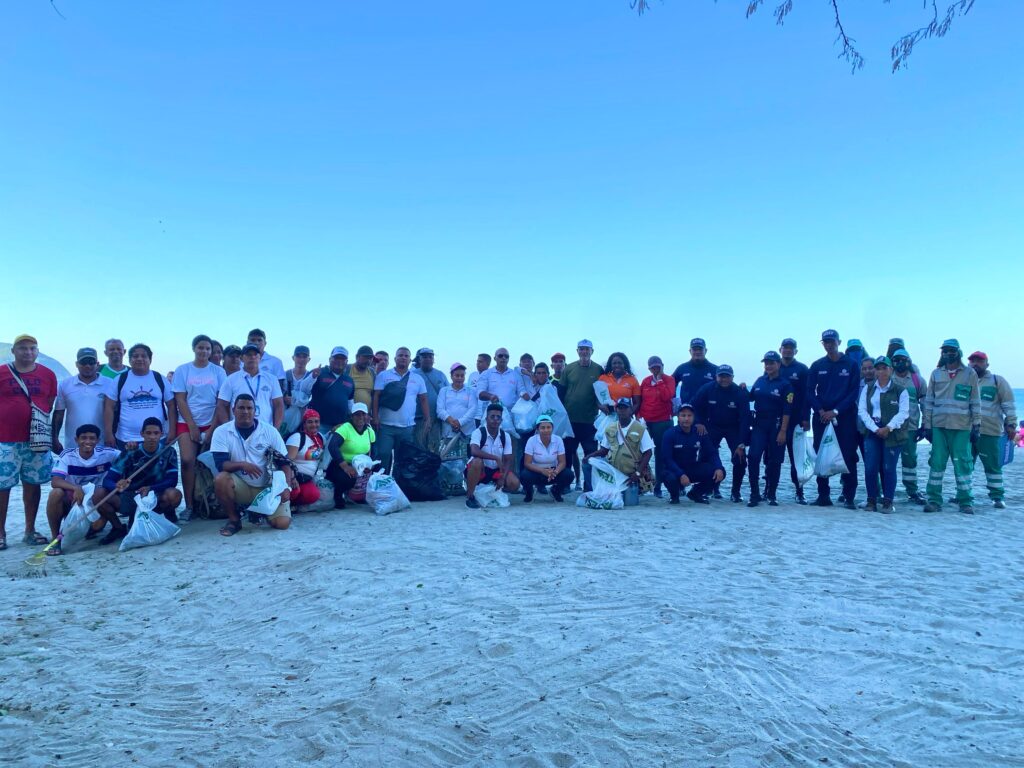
<point x="522" y="174"/>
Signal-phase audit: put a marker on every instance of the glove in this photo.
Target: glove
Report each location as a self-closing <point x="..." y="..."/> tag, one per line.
<point x="922" y="433"/>
<point x="975" y="434"/>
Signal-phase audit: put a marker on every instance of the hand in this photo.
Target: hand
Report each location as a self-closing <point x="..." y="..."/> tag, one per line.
<point x="719" y="476"/>
<point x="78" y="496"/>
<point x="1011" y="433"/>
<point x="250" y="469"/>
<point x="525" y="395"/>
<point x="702" y="430"/>
<point x="56" y="446"/>
<point x="143" y="491"/>
<point x="922" y="433"/>
<point x="453" y="423"/>
<point x="122" y="485"/>
<point x="684" y="480"/>
<point x="827" y="416"/>
<point x="375" y="423"/>
<point x="740" y="451"/>
<point x="193" y="433"/>
<point x="131" y="445"/>
<point x="286" y="495"/>
<point x="883" y="432"/>
<point x="348" y="469"/>
<point x="295" y="484"/>
<point x="780" y="439"/>
<point x="805" y="425"/>
<point x="110" y="443"/>
<point x="287" y="400"/>
<point x="316" y="372"/>
<point x="975" y="434"/>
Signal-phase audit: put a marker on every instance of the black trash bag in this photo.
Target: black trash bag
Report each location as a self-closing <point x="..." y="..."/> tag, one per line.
<point x="416" y="471"/>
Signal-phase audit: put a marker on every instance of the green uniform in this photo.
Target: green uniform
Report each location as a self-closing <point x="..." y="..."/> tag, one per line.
<point x="998" y="412"/>
<point x="952" y="407"/>
<point x="916" y="389"/>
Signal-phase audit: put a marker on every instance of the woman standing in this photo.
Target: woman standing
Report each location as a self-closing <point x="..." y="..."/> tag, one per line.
<point x="456" y="407"/>
<point x="621" y="382"/>
<point x="305" y="448"/>
<point x="884" y="408"/>
<point x="195" y="386"/>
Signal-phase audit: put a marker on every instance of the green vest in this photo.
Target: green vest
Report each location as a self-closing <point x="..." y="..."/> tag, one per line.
<point x="620" y="456"/>
<point x="889" y="404"/>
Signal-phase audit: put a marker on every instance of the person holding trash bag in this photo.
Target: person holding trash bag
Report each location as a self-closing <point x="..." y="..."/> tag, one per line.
<point x="773" y="397"/>
<point x="691" y="459"/>
<point x="491" y="458"/>
<point x="544" y="461"/>
<point x="305" y="448"/>
<point x="457" y="406"/>
<point x="884" y="408"/>
<point x="952" y="416"/>
<point x="833" y="383"/>
<point x="903" y="373"/>
<point x="998" y="417"/>
<point x="355" y="438"/>
<point x="618" y="375"/>
<point x="795" y="373"/>
<point x="243" y="450"/>
<point x="628" y="446"/>
<point x="576" y="387"/>
<point x="722" y="412"/>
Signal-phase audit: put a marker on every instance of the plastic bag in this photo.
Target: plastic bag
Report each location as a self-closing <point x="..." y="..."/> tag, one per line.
<point x="416" y="471"/>
<point x="524" y="414"/>
<point x="830" y="458"/>
<point x="150" y="527"/>
<point x="551" y="405"/>
<point x="451" y="476"/>
<point x="489" y="496"/>
<point x="1006" y="448"/>
<point x="803" y="456"/>
<point x="608" y="483"/>
<point x="601" y="423"/>
<point x="604" y="396"/>
<point x="74" y="527"/>
<point x="384" y="495"/>
<point x="507" y="422"/>
<point x="269" y="499"/>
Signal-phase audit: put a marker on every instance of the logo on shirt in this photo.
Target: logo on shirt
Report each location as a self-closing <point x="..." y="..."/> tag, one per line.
<point x="789" y="398"/>
<point x="843" y="372"/>
<point x="141" y="399"/>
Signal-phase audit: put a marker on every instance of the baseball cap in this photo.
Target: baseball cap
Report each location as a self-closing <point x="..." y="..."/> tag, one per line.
<point x="587" y="343"/>
<point x="543" y="417"/>
<point x="234" y="349"/>
<point x="897" y="341"/>
<point x="424" y="351"/>
<point x="24" y="337"/>
<point x="854" y="343"/>
<point x="558" y="356"/>
<point x="724" y="370"/>
<point x="686" y="407"/>
<point x="900" y="353"/>
<point x="951" y="343"/>
<point x="978" y="356"/>
<point x="302" y="349"/>
<point x="364" y="350"/>
<point x="788" y="342"/>
<point x="698" y="342"/>
<point x="359" y="408"/>
<point x="624" y="401"/>
<point x="830" y="335"/>
<point x="250" y="348"/>
<point x="883" y="360"/>
<point x="86" y="353"/>
<point x="654" y="360"/>
<point x="339" y="351"/>
<point x="771" y="356"/>
<point x="455" y="367"/>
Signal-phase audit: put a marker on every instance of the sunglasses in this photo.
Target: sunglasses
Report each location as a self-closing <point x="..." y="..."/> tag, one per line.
<point x="503" y="357"/>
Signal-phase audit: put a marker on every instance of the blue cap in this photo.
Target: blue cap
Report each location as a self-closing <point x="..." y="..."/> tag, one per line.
<point x="896" y="340"/>
<point x="587" y="343"/>
<point x="788" y="342"/>
<point x="624" y="401"/>
<point x="302" y="349"/>
<point x="900" y="353"/>
<point x="698" y="342"/>
<point x="543" y="417"/>
<point x="854" y="343"/>
<point x="724" y="370"/>
<point x="951" y="343"/>
<point x="771" y="356"/>
<point x="685" y="407"/>
<point x="830" y="335"/>
<point x="250" y="348"/>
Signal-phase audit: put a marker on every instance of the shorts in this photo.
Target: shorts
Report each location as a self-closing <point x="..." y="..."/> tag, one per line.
<point x="245" y="493"/>
<point x="487" y="474"/>
<point x="18" y="463"/>
<point x="183" y="429"/>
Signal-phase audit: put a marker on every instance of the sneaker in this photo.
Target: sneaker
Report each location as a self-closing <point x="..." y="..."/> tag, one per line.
<point x="823" y="501"/>
<point x="871" y="505"/>
<point x="717" y="494"/>
<point x="528" y="494"/>
<point x="658" y="494"/>
<point x="967" y="509"/>
<point x="998" y="504"/>
<point x="755" y="499"/>
<point x="578" y="487"/>
<point x="115" y="535"/>
<point x="735" y="498"/>
<point x="674" y="500"/>
<point x="951" y="500"/>
<point x="800" y="498"/>
<point x="841" y="499"/>
<point x="772" y="501"/>
<point x="556" y="493"/>
<point x="185" y="517"/>
<point x="472" y="503"/>
<point x="931" y="507"/>
<point x="696" y="499"/>
<point x="886" y="508"/>
<point x="850" y="504"/>
<point x="917" y="498"/>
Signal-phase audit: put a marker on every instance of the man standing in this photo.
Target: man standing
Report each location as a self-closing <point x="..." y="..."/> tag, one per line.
<point x="795" y="373"/>
<point x="691" y="459"/>
<point x="269" y="364"/>
<point x="397" y="394"/>
<point x="136" y="395"/>
<point x="299" y="377"/>
<point x="428" y="436"/>
<point x="998" y="418"/>
<point x="381" y="360"/>
<point x="79" y="399"/>
<point x="263" y="388"/>
<point x="501" y="384"/>
<point x="577" y="389"/>
<point x="772" y="396"/>
<point x="114" y="367"/>
<point x="557" y="367"/>
<point x="25" y="385"/>
<point x="695" y="373"/>
<point x="905" y="376"/>
<point x="333" y="391"/>
<point x="363" y="375"/>
<point x="952" y="412"/>
<point x="833" y="383"/>
<point x="483" y="362"/>
<point x="722" y="412"/>
<point x="656" y="392"/>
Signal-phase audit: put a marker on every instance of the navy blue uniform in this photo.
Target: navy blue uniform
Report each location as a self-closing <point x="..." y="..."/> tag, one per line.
<point x="725" y="413"/>
<point x="690" y="454"/>
<point x="691" y="376"/>
<point x="834" y="386"/>
<point x="796" y="374"/>
<point x="773" y="399"/>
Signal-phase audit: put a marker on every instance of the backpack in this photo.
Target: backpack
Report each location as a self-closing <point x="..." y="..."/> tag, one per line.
<point x="122" y="379"/>
<point x="483" y="438"/>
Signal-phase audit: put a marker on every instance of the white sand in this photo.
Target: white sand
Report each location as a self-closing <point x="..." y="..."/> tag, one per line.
<point x="533" y="636"/>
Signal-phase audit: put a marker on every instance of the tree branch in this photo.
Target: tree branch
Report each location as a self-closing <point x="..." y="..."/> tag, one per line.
<point x="935" y="28"/>
<point x="849" y="52"/>
<point x="53" y="4"/>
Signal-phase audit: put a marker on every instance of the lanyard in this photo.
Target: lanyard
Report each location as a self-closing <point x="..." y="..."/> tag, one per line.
<point x="248" y="383"/>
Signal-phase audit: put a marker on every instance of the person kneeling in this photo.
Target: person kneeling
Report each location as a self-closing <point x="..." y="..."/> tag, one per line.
<point x="690" y="459"/>
<point x="490" y="451"/>
<point x="239" y="450"/>
<point x="148" y="466"/>
<point x="305" y="448"/>
<point x="544" y="461"/>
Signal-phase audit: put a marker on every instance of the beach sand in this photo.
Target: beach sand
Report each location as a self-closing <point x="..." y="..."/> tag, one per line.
<point x="539" y="635"/>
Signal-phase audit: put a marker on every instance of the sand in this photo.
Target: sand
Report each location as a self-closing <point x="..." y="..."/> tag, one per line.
<point x="540" y="635"/>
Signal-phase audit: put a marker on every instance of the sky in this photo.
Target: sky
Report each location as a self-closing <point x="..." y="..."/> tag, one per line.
<point x="472" y="175"/>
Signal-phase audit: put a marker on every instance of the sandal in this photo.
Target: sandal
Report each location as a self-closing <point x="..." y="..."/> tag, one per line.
<point x="54" y="551"/>
<point x="231" y="527"/>
<point x="34" y="539"/>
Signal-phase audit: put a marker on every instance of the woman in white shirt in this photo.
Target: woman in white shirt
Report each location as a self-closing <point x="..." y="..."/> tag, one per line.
<point x="456" y="409"/>
<point x="544" y="461"/>
<point x="305" y="448"/>
<point x="884" y="408"/>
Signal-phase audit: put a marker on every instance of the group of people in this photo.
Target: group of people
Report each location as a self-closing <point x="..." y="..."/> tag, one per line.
<point x="250" y="416"/>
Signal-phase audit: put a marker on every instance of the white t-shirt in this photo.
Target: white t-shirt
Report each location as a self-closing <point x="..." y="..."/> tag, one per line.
<point x="308" y="457"/>
<point x="263" y="388"/>
<point x="70" y="465"/>
<point x="140" y="399"/>
<point x="273" y="366"/>
<point x="493" y="445"/>
<point x="252" y="449"/>
<point x="200" y="387"/>
<point x="646" y="443"/>
<point x="406" y="415"/>
<point x="82" y="404"/>
<point x="544" y="456"/>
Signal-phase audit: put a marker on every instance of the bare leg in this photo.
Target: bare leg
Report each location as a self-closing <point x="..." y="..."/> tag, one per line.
<point x="188" y="469"/>
<point x="55" y="510"/>
<point x="473" y="470"/>
<point x="511" y="481"/>
<point x="5" y="498"/>
<point x="31" y="494"/>
<point x="224" y="488"/>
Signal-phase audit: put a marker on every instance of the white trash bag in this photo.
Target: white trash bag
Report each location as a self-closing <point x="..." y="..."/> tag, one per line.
<point x="830" y="458"/>
<point x="384" y="495"/>
<point x="269" y="499"/>
<point x="524" y="415"/>
<point x="551" y="405"/>
<point x="489" y="496"/>
<point x="75" y="526"/>
<point x="608" y="483"/>
<point x="150" y="527"/>
<point x="601" y="423"/>
<point x="803" y="456"/>
<point x="604" y="396"/>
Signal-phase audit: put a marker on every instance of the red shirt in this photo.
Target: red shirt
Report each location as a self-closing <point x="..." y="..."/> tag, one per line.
<point x="15" y="413"/>
<point x="657" y="398"/>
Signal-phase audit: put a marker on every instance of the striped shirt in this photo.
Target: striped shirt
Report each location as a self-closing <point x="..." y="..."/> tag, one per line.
<point x="70" y="465"/>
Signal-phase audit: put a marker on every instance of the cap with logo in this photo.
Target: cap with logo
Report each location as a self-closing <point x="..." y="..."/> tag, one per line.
<point x="86" y="354"/>
<point x="339" y="351"/>
<point x="698" y="342"/>
<point x="233" y="349"/>
<point x="424" y="351"/>
<point x="830" y="335"/>
<point x="788" y="342"/>
<point x="724" y="370"/>
<point x="685" y="407"/>
<point x="623" y="402"/>
<point x="455" y="367"/>
<point x="250" y="348"/>
<point x="883" y="360"/>
<point x="359" y="408"/>
<point x="771" y="356"/>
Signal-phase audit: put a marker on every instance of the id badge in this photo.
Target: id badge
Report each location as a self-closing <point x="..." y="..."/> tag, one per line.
<point x="257" y="411"/>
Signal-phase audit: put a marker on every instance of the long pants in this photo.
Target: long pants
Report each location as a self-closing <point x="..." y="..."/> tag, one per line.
<point x="987" y="449"/>
<point x="700" y="475"/>
<point x="880" y="458"/>
<point x="763" y="444"/>
<point x="388" y="439"/>
<point x="657" y="430"/>
<point x="908" y="461"/>
<point x="562" y="480"/>
<point x="342" y="482"/>
<point x="949" y="444"/>
<point x="584" y="436"/>
<point x="790" y="431"/>
<point x="846" y="434"/>
<point x="732" y="438"/>
<point x="862" y="439"/>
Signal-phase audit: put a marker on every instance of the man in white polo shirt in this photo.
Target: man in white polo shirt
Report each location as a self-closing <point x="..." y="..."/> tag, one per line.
<point x="262" y="387"/>
<point x="80" y="399"/>
<point x="490" y="451"/>
<point x="501" y="383"/>
<point x="397" y="392"/>
<point x="268" y="363"/>
<point x="239" y="450"/>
